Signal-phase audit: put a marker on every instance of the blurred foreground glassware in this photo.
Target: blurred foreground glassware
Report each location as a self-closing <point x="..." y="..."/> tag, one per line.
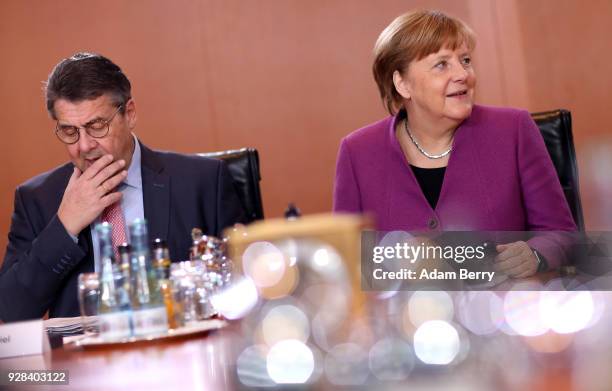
<point x="298" y="284"/>
<point x="89" y="296"/>
<point x="149" y="311"/>
<point x="191" y="288"/>
<point x="213" y="252"/>
<point x="161" y="262"/>
<point x="114" y="311"/>
<point x="206" y="273"/>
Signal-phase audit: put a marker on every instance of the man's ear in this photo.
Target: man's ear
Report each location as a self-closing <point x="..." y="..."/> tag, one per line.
<point x="401" y="85"/>
<point x="130" y="113"/>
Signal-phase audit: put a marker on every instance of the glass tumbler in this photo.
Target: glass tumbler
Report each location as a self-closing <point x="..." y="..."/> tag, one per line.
<point x="89" y="296"/>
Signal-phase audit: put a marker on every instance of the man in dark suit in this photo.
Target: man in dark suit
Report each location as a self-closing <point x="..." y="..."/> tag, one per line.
<point x="111" y="177"/>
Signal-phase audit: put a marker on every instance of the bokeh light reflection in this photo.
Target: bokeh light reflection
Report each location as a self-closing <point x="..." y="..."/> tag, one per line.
<point x="566" y="312"/>
<point x="251" y="367"/>
<point x="321" y="257"/>
<point x="393" y="237"/>
<point x="264" y="263"/>
<point x="436" y="342"/>
<point x="391" y="359"/>
<point x="285" y="322"/>
<point x="429" y="305"/>
<point x="482" y="313"/>
<point x="347" y="364"/>
<point x="522" y="310"/>
<point x="599" y="307"/>
<point x="328" y="303"/>
<point x="549" y="342"/>
<point x="290" y="362"/>
<point x="237" y="299"/>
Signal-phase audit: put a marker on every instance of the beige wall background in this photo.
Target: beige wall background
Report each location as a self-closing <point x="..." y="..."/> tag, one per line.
<point x="291" y="78"/>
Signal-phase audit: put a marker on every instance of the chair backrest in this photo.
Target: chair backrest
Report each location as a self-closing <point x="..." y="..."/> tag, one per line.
<point x="243" y="166"/>
<point x="556" y="129"/>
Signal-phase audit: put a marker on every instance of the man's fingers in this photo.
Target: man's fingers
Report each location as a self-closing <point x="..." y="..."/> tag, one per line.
<point x="112" y="183"/>
<point x="98" y="165"/>
<point x="75" y="175"/>
<point x="111" y="198"/>
<point x="107" y="172"/>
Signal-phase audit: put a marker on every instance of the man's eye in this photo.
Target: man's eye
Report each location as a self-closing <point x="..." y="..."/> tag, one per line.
<point x="98" y="125"/>
<point x="69" y="130"/>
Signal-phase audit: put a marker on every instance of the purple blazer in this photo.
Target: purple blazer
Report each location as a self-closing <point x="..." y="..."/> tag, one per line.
<point x="499" y="178"/>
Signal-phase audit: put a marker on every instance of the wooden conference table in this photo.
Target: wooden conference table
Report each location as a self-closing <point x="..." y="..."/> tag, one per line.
<point x="201" y="362"/>
<point x="208" y="361"/>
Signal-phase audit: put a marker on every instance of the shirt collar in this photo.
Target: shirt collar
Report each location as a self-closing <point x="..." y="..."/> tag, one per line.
<point x="134" y="176"/>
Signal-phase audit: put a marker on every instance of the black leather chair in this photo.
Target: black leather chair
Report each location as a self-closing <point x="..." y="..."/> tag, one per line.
<point x="556" y="128"/>
<point x="243" y="165"/>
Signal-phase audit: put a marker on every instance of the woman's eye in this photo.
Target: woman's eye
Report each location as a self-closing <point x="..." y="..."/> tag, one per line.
<point x="441" y="64"/>
<point x="466" y="61"/>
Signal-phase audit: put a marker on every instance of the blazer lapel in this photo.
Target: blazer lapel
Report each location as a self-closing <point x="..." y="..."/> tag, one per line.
<point x="155" y="193"/>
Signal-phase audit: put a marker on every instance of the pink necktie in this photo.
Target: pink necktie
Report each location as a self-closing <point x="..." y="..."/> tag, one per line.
<point x="114" y="215"/>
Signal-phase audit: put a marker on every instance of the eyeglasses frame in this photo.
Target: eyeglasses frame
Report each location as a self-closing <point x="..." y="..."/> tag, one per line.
<point x="86" y="128"/>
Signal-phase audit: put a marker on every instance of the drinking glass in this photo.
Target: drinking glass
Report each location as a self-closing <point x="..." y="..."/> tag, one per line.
<point x="89" y="296"/>
<point x="191" y="289"/>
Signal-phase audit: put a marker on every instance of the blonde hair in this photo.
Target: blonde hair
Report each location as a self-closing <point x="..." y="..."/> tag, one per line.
<point x="411" y="37"/>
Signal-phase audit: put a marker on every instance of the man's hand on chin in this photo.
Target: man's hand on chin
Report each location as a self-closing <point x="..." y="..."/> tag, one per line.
<point x="88" y="193"/>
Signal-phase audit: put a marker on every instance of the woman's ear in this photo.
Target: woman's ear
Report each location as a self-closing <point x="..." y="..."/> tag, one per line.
<point x="401" y="85"/>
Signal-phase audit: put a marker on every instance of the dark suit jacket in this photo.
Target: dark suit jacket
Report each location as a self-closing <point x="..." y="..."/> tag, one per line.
<point x="42" y="262"/>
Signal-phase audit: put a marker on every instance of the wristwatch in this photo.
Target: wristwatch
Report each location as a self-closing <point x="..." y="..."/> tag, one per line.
<point x="542" y="264"/>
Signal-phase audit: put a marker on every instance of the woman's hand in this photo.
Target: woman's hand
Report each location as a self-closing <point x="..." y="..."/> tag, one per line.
<point x="516" y="260"/>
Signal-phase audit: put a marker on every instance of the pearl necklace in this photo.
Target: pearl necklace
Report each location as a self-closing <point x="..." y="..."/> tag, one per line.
<point x="424" y="152"/>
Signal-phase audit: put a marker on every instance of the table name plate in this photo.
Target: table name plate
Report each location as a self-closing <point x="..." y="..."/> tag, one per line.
<point x="23" y="339"/>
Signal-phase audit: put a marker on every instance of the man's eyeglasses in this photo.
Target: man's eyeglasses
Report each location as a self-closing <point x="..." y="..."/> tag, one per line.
<point x="69" y="134"/>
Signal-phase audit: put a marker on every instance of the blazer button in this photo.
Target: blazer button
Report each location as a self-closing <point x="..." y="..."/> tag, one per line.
<point x="432" y="223"/>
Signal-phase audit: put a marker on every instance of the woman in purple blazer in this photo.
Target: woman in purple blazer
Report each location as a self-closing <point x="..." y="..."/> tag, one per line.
<point x="440" y="162"/>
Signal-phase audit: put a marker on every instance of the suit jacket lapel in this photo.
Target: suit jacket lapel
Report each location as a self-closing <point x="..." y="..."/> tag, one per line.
<point x="155" y="193"/>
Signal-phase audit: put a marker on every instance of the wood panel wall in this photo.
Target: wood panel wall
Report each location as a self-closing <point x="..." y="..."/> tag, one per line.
<point x="288" y="77"/>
